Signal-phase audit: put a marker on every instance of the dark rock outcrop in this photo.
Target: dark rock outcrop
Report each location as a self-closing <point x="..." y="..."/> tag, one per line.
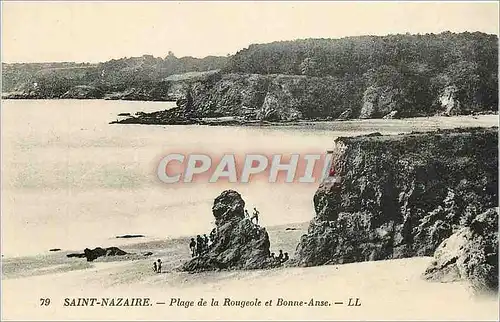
<point x="471" y="254"/>
<point x="92" y="254"/>
<point x="95" y="253"/>
<point x="83" y="92"/>
<point x="238" y="243"/>
<point x="400" y="196"/>
<point x="77" y="255"/>
<point x="130" y="236"/>
<point x="173" y="116"/>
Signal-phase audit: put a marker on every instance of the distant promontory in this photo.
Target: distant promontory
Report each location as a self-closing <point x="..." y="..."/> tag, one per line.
<point x="393" y="76"/>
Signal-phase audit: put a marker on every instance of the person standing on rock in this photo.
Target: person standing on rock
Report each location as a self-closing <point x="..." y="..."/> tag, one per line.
<point x="205" y="242"/>
<point x="247" y="215"/>
<point x="192" y="247"/>
<point x="212" y="236"/>
<point x="255" y="215"/>
<point x="159" y="266"/>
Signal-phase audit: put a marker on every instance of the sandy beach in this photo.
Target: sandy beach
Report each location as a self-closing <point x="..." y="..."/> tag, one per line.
<point x="84" y="183"/>
<point x="387" y="290"/>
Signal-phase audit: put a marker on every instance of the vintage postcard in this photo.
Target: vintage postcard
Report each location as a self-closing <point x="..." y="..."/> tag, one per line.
<point x="270" y="160"/>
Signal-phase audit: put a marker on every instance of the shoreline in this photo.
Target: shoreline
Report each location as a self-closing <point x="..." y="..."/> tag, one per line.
<point x="387" y="289"/>
<point x="143" y="244"/>
<point x="137" y="118"/>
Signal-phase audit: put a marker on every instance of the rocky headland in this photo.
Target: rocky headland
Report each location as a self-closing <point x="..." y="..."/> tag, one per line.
<point x="418" y="194"/>
<point x="395" y="76"/>
<point x="215" y="98"/>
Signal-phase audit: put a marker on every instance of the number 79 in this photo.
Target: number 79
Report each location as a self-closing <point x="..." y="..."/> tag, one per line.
<point x="44" y="302"/>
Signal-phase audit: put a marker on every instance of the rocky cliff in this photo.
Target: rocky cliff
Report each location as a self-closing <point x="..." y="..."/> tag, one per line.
<point x="312" y="79"/>
<point x="280" y="98"/>
<point x="401" y="196"/>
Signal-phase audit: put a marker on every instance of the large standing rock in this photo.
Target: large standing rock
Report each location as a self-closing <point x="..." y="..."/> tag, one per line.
<point x="238" y="244"/>
<point x="471" y="253"/>
<point x="401" y="196"/>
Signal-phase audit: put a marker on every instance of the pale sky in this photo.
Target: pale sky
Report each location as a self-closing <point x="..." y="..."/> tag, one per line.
<point x="99" y="31"/>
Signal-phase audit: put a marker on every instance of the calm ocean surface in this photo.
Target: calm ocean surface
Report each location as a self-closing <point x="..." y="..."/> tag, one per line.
<point x="70" y="180"/>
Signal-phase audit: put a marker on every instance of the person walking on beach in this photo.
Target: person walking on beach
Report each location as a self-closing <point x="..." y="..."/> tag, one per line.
<point x="155" y="268"/>
<point x="159" y="266"/>
<point x="255" y="215"/>
<point x="192" y="247"/>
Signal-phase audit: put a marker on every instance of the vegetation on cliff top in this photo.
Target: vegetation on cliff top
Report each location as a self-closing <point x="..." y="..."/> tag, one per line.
<point x="365" y="76"/>
<point x="51" y="80"/>
<point x="415" y="66"/>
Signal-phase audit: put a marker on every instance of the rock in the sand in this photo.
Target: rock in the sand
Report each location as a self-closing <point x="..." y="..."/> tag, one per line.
<point x="147" y="253"/>
<point x="77" y="255"/>
<point x="238" y="243"/>
<point x="92" y="254"/>
<point x="471" y="254"/>
<point x="130" y="236"/>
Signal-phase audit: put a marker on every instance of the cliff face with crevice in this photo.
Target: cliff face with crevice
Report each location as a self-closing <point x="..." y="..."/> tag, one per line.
<point x="267" y="97"/>
<point x="401" y="195"/>
<point x="278" y="98"/>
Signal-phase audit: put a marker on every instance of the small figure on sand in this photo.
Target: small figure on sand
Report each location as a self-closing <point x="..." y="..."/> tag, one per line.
<point x="285" y="258"/>
<point x="199" y="245"/>
<point x="255" y="215"/>
<point x="159" y="266"/>
<point x="155" y="268"/>
<point x="247" y="215"/>
<point x="272" y="255"/>
<point x="192" y="247"/>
